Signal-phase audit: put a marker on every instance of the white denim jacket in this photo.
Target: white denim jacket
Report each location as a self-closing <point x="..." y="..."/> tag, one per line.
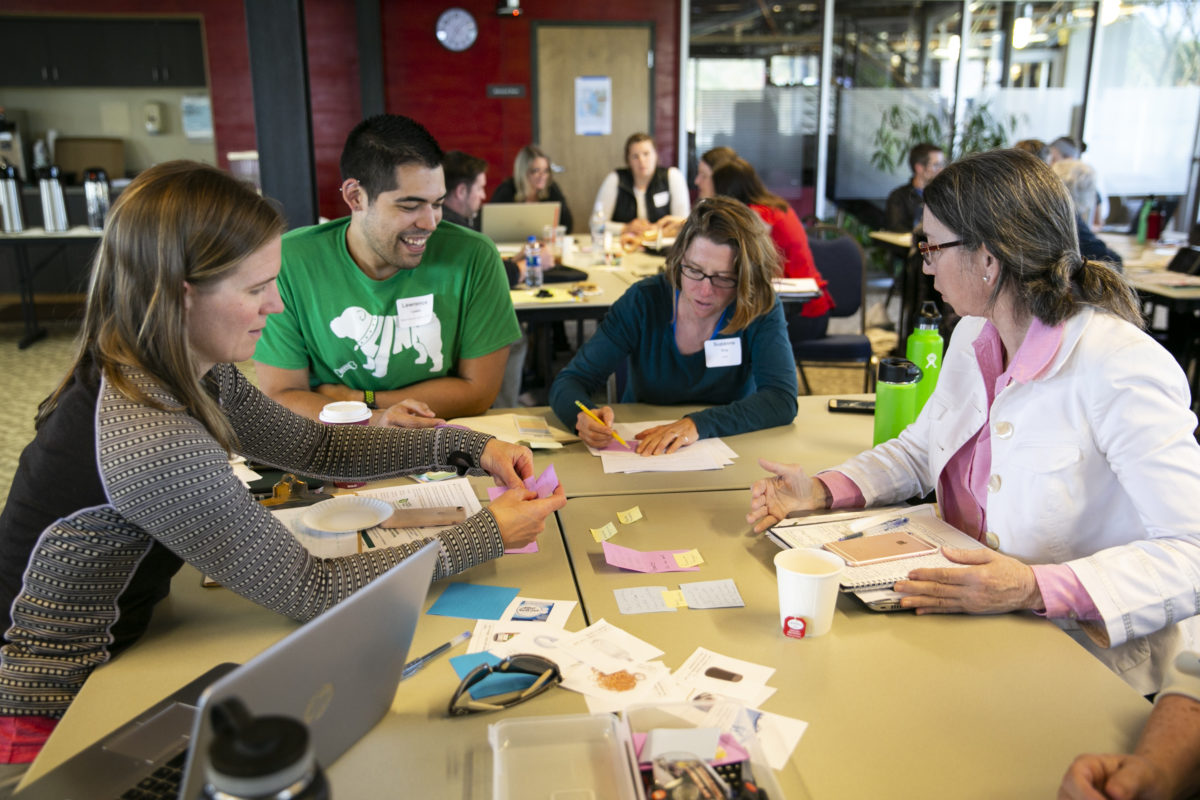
<point x="1094" y="465"/>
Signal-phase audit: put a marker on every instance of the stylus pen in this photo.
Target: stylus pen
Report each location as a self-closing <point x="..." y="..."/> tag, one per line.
<point x="592" y="414"/>
<point x="414" y="666"/>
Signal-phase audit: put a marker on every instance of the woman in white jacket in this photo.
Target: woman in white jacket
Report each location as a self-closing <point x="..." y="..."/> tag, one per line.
<point x="1060" y="433"/>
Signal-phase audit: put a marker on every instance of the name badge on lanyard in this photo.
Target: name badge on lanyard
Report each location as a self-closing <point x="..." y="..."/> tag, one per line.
<point x="413" y="311"/>
<point x="660" y="199"/>
<point x="723" y="352"/>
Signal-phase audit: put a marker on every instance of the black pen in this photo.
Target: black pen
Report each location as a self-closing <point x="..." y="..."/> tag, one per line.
<point x="414" y="666"/>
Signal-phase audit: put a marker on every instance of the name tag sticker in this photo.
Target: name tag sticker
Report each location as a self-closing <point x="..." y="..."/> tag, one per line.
<point x="661" y="199"/>
<point x="723" y="352"/>
<point x="412" y="311"/>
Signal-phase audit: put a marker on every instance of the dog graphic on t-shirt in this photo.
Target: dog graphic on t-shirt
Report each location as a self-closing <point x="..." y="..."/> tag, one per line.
<point x="380" y="337"/>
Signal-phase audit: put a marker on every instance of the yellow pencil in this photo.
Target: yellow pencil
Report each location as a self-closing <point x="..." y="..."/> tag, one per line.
<point x="592" y="414"/>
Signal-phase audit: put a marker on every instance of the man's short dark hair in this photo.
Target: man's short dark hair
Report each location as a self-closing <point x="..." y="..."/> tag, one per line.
<point x="920" y="154"/>
<point x="379" y="144"/>
<point x="461" y="168"/>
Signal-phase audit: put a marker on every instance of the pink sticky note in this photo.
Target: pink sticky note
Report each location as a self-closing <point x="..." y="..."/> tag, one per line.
<point x="543" y="484"/>
<point x="639" y="561"/>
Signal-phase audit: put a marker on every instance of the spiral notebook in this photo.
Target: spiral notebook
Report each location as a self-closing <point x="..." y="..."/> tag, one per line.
<point x="921" y="521"/>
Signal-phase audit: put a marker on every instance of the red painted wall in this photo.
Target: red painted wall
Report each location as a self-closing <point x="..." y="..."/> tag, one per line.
<point x="445" y="91"/>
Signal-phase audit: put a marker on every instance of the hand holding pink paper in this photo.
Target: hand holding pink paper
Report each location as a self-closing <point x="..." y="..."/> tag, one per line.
<point x="543" y="484"/>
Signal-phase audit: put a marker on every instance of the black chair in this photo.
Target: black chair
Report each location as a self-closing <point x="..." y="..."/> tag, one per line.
<point x="841" y="262"/>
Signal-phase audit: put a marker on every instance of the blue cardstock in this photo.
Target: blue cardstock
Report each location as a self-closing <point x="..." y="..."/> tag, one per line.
<point x="473" y="601"/>
<point x="496" y="683"/>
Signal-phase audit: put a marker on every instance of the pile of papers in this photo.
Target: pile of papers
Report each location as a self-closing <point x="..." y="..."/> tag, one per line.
<point x="704" y="454"/>
<point x="614" y="669"/>
<point x="527" y="429"/>
<point x="456" y="492"/>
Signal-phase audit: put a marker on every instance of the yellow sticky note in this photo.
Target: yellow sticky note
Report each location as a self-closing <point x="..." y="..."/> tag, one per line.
<point x="629" y="515"/>
<point x="602" y="534"/>
<point x="689" y="559"/>
<point x="674" y="599"/>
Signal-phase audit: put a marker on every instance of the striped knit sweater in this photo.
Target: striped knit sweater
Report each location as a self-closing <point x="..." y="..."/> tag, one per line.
<point x="112" y="496"/>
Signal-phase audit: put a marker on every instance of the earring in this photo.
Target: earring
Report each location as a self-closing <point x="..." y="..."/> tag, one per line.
<point x="987" y="278"/>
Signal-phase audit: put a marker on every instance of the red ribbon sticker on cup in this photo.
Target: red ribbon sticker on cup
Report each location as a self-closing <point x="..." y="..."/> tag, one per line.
<point x="795" y="627"/>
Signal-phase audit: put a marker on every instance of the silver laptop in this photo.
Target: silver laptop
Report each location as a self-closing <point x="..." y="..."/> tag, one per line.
<point x="513" y="223"/>
<point x="338" y="673"/>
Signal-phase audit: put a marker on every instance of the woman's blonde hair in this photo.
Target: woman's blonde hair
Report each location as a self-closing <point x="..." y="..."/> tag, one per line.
<point x="723" y="220"/>
<point x="177" y="221"/>
<point x="1012" y="203"/>
<point x="521" y="166"/>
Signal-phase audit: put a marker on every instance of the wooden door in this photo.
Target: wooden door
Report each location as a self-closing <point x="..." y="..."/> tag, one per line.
<point x="564" y="52"/>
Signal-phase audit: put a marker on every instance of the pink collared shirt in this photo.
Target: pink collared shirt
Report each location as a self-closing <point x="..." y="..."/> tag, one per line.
<point x="962" y="486"/>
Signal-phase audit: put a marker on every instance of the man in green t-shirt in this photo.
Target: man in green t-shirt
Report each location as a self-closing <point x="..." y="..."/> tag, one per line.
<point x="389" y="305"/>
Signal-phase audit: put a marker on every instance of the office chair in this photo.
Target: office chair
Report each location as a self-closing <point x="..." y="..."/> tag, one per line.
<point x="841" y="262"/>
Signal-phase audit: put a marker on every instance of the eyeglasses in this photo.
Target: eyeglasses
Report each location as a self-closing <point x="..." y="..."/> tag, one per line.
<point x="546" y="672"/>
<point x="718" y="281"/>
<point x="927" y="249"/>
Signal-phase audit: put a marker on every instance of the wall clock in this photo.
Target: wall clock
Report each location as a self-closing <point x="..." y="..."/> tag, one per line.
<point x="456" y="29"/>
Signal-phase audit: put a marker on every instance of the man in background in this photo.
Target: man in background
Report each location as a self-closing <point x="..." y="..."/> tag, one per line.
<point x="390" y="305"/>
<point x="466" y="185"/>
<point x="906" y="202"/>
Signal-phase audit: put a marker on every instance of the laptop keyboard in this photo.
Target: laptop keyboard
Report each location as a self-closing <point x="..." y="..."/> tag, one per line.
<point x="163" y="784"/>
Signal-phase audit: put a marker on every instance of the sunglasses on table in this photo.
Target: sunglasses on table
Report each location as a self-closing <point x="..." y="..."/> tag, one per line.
<point x="929" y="248"/>
<point x="545" y="671"/>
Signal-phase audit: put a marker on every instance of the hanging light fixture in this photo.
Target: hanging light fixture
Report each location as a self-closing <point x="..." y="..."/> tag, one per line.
<point x="1023" y="28"/>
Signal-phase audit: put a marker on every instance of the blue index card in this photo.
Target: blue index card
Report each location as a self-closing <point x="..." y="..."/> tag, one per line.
<point x="641" y="600"/>
<point x="496" y="683"/>
<point x="473" y="601"/>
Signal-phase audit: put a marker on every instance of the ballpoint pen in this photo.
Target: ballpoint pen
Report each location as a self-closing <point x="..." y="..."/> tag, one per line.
<point x="592" y="414"/>
<point x="415" y="666"/>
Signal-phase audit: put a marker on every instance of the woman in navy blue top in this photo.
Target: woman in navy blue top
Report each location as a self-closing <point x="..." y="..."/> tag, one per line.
<point x="707" y="330"/>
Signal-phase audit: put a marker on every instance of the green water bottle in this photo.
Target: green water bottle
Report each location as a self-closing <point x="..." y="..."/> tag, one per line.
<point x="925" y="350"/>
<point x="895" y="397"/>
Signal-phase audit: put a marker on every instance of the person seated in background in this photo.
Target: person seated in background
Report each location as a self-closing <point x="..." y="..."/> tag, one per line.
<point x="466" y="188"/>
<point x="902" y="211"/>
<point x="532" y="181"/>
<point x="1060" y="434"/>
<point x="736" y="178"/>
<point x="641" y="193"/>
<point x="390" y="306"/>
<point x="128" y="475"/>
<point x="1165" y="764"/>
<point x="708" y="330"/>
<point x="1034" y="147"/>
<point x="1065" y="148"/>
<point x="670" y="225"/>
<point x="1080" y="180"/>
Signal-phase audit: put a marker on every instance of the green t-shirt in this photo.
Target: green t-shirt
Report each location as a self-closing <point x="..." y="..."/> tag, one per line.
<point x="418" y="324"/>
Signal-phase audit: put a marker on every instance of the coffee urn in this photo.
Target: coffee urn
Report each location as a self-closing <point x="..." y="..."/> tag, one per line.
<point x="11" y="220"/>
<point x="54" y="209"/>
<point x="95" y="192"/>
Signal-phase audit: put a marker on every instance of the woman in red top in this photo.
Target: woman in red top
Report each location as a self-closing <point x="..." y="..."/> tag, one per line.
<point x="736" y="178"/>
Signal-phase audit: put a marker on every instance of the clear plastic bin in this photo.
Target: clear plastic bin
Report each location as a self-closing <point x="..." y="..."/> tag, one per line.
<point x="568" y="757"/>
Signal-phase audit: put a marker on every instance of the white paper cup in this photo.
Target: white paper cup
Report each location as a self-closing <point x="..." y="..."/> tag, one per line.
<point x="346" y="412"/>
<point x="808" y="587"/>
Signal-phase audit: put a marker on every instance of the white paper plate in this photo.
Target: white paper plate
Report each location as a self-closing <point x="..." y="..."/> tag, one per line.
<point x="346" y="514"/>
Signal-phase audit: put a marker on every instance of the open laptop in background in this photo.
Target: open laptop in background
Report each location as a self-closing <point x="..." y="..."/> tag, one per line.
<point x="338" y="673"/>
<point x="510" y="224"/>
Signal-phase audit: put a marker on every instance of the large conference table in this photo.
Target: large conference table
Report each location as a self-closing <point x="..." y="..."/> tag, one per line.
<point x="897" y="705"/>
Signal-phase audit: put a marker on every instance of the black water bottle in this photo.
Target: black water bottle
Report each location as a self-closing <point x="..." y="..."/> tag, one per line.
<point x="260" y="758"/>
